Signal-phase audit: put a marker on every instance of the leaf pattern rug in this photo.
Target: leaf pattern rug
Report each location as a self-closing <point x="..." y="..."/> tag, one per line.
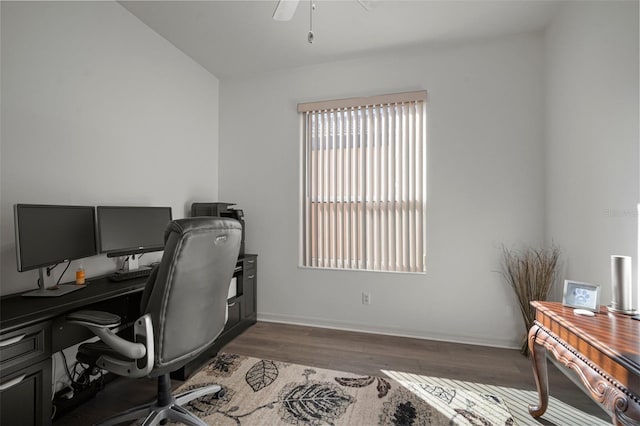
<point x="265" y="392"/>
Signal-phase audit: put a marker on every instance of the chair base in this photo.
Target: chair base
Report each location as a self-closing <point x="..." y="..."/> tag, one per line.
<point x="153" y="413"/>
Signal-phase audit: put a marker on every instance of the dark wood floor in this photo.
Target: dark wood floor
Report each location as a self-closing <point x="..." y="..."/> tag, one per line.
<point x="360" y="353"/>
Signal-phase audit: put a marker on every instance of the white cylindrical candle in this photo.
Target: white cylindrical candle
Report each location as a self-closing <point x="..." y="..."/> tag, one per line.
<point x="621" y="284"/>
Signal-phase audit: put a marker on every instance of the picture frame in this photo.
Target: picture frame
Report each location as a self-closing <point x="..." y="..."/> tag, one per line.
<point x="581" y="295"/>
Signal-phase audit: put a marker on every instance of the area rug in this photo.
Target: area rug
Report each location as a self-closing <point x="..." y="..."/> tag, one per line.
<point x="266" y="392"/>
<point x="558" y="413"/>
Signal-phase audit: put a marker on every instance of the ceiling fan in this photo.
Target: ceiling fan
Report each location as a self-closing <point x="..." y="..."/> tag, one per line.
<point x="285" y="10"/>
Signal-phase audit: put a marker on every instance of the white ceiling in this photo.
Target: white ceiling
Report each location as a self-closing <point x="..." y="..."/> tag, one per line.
<point x="240" y="37"/>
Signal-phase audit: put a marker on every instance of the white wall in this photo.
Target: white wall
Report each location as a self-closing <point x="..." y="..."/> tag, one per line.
<point x="485" y="188"/>
<point x="99" y="109"/>
<point x="592" y="137"/>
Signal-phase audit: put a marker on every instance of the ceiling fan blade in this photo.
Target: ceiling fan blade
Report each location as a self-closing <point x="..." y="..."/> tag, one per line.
<point x="285" y="10"/>
<point x="368" y="5"/>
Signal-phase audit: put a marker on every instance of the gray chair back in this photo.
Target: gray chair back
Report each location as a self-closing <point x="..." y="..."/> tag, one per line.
<point x="186" y="295"/>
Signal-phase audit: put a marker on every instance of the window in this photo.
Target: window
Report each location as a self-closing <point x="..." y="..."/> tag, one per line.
<point x="364" y="183"/>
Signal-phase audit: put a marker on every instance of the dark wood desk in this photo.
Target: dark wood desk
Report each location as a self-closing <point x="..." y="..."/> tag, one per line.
<point x="17" y="311"/>
<point x="32" y="329"/>
<point x="603" y="350"/>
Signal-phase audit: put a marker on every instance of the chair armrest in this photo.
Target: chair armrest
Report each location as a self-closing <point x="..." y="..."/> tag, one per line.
<point x="94" y="318"/>
<point x="100" y="322"/>
<point x="136" y="367"/>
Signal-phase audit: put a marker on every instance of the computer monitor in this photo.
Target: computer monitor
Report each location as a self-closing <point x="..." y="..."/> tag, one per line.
<point x="46" y="235"/>
<point x="129" y="230"/>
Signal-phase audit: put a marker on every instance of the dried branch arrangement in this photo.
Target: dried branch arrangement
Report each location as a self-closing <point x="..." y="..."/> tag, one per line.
<point x="531" y="273"/>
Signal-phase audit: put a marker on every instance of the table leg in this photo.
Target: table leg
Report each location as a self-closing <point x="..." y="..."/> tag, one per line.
<point x="539" y="363"/>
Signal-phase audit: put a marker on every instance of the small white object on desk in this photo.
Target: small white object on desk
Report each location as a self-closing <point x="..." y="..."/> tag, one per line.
<point x="584" y="312"/>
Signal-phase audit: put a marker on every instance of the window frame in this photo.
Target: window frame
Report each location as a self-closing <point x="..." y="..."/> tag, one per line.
<point x="366" y="203"/>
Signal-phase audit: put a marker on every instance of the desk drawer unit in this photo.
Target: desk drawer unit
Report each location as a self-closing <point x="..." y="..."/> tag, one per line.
<point x="25" y="374"/>
<point x="249" y="287"/>
<point x="25" y="396"/>
<point x="233" y="312"/>
<point x="24" y="346"/>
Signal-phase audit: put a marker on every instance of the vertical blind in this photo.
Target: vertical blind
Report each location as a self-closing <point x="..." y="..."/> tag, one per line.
<point x="364" y="183"/>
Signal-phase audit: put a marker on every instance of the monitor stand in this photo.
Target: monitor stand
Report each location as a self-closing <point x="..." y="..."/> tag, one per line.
<point x="47" y="289"/>
<point x="132" y="263"/>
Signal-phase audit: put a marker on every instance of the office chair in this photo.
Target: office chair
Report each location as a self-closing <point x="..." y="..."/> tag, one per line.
<point x="183" y="308"/>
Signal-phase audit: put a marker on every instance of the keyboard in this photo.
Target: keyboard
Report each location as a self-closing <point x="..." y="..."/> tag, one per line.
<point x="129" y="275"/>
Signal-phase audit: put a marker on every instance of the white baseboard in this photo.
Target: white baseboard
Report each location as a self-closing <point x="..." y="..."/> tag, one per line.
<point x="388" y="331"/>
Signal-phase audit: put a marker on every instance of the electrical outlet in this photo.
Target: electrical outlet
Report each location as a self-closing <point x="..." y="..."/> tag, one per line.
<point x="366" y="298"/>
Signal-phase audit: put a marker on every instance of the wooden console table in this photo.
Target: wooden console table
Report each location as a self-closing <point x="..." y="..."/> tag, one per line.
<point x="604" y="351"/>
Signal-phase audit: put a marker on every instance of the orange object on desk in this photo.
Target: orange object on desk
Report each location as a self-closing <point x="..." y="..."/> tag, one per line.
<point x="80" y="277"/>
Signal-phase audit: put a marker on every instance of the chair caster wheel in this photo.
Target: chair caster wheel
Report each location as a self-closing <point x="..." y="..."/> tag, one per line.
<point x="221" y="393"/>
